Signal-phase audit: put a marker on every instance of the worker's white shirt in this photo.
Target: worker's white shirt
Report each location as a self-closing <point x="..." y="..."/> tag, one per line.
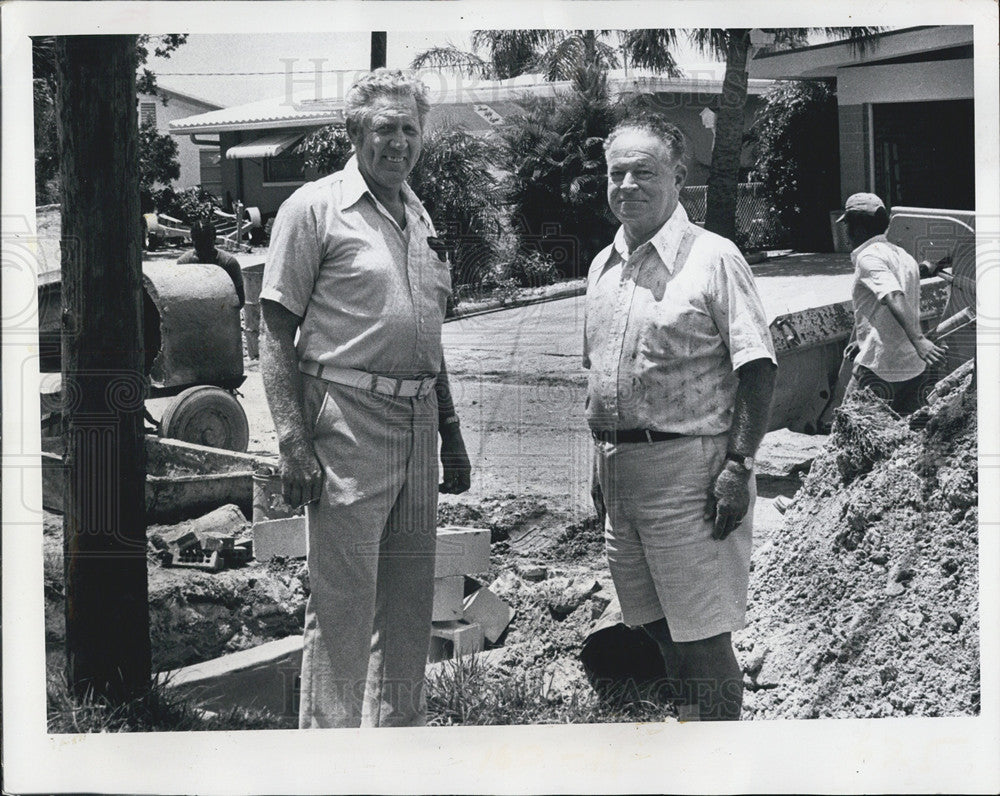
<point x="880" y="268"/>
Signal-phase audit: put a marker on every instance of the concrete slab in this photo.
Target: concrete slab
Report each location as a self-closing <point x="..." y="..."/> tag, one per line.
<point x="285" y="537"/>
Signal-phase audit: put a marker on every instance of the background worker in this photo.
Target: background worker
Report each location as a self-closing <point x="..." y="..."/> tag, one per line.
<point x="203" y="238"/>
<point x="892" y="351"/>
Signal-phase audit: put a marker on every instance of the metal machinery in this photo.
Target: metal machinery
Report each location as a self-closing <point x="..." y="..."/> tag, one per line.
<point x="194" y="352"/>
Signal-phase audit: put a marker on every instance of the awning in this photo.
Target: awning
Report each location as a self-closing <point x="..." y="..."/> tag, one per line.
<point x="267" y="146"/>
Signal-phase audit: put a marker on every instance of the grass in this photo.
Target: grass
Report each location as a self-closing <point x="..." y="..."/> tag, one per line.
<point x="466" y="693"/>
<point x="157" y="710"/>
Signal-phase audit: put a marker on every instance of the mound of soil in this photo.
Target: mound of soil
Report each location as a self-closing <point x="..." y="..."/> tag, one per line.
<point x="865" y="603"/>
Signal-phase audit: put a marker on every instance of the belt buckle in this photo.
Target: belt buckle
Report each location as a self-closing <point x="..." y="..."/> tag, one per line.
<point x="649" y="435"/>
<point x="426" y="385"/>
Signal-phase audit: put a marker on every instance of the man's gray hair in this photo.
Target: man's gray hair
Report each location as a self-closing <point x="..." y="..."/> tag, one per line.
<point x="382" y="83"/>
<point x="653" y="123"/>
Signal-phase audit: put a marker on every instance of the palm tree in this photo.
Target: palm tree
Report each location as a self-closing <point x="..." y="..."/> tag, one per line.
<point x="559" y="54"/>
<point x="733" y="46"/>
<point x="555" y="54"/>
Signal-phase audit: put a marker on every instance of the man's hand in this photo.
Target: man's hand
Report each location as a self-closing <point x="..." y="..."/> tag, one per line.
<point x="596" y="494"/>
<point x="455" y="467"/>
<point x="301" y="475"/>
<point x="929" y="352"/>
<point x="728" y="500"/>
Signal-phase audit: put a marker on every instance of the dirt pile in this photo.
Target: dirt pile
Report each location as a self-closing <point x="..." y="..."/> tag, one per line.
<point x="865" y="603"/>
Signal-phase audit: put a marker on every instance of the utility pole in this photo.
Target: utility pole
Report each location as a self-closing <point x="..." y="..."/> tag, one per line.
<point x="378" y="49"/>
<point x="104" y="526"/>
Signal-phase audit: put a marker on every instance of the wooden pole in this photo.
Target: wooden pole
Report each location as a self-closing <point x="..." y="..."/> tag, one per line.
<point x="107" y="615"/>
<point x="378" y="49"/>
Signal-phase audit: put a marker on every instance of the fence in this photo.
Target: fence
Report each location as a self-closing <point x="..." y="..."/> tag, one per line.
<point x="756" y="226"/>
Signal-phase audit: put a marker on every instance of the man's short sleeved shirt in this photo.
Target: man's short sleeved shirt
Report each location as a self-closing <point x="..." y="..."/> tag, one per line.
<point x="371" y="296"/>
<point x="664" y="335"/>
<point x="881" y="268"/>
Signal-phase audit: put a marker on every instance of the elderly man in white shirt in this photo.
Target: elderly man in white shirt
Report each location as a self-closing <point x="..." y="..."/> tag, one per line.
<point x="681" y="375"/>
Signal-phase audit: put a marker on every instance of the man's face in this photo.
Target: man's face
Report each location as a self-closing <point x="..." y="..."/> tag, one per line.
<point x="644" y="181"/>
<point x="390" y="143"/>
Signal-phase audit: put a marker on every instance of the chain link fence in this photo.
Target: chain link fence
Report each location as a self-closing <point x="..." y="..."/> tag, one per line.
<point x="756" y="226"/>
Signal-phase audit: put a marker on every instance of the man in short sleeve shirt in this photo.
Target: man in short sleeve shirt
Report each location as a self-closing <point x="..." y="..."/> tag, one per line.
<point x="681" y="376"/>
<point x="892" y="351"/>
<point x="352" y="303"/>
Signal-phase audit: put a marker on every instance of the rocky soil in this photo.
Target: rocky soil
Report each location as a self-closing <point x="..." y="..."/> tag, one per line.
<point x="865" y="603"/>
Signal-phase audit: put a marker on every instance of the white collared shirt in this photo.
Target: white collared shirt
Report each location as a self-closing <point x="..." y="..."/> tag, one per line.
<point x="881" y="268"/>
<point x="664" y="334"/>
<point x="371" y="295"/>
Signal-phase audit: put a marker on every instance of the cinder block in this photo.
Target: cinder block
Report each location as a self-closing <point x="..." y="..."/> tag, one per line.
<point x="461" y="551"/>
<point x="285" y="537"/>
<point x="488" y="611"/>
<point x="215" y="541"/>
<point x="448" y="598"/>
<point x="456" y="638"/>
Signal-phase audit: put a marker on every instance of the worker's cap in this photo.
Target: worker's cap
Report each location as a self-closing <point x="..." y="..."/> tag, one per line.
<point x="867" y="203"/>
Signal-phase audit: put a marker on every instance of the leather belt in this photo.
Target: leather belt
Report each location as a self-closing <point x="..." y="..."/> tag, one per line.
<point x="618" y="436"/>
<point x="362" y="380"/>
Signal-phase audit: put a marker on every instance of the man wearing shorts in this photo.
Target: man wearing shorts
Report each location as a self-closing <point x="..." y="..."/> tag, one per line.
<point x="352" y="304"/>
<point x="892" y="352"/>
<point x="681" y="375"/>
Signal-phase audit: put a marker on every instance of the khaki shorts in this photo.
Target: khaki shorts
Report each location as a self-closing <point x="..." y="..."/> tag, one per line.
<point x="662" y="557"/>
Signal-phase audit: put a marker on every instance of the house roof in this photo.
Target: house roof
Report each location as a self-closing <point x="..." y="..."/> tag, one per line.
<point x="477" y="106"/>
<point x="162" y="88"/>
<point x="823" y="60"/>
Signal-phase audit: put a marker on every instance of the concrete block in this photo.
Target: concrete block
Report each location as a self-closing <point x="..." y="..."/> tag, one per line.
<point x="454" y="639"/>
<point x="448" y="598"/>
<point x="488" y="611"/>
<point x="263" y="677"/>
<point x="461" y="551"/>
<point x="285" y="537"/>
<point x="216" y="541"/>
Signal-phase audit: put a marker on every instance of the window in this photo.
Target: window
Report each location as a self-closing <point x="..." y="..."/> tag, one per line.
<point x="286" y="167"/>
<point x="147" y="114"/>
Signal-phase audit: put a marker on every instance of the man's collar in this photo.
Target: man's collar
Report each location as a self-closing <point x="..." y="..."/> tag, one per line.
<point x="874" y="239"/>
<point x="354" y="187"/>
<point x="665" y="240"/>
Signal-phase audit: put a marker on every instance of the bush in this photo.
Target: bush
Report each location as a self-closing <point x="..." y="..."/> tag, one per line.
<point x="557" y="179"/>
<point x="798" y="160"/>
<point x="454" y="179"/>
<point x="326" y="149"/>
<point x="187" y="205"/>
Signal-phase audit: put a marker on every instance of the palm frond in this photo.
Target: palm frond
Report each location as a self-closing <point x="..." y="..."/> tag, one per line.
<point x="651" y="49"/>
<point x="453" y="58"/>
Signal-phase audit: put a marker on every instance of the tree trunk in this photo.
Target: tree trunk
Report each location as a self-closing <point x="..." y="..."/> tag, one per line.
<point x="378" y="49"/>
<point x="720" y="215"/>
<point x="107" y="616"/>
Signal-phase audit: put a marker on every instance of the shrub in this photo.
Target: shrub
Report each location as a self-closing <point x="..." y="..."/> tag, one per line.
<point x="187" y="205"/>
<point x="326" y="149"/>
<point x="556" y="184"/>
<point x="454" y="179"/>
<point x="798" y="160"/>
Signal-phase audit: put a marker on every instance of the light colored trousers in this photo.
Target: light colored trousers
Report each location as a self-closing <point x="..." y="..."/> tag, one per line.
<point x="372" y="536"/>
<point x="663" y="559"/>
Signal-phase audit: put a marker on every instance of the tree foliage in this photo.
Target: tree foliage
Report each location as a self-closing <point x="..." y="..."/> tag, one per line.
<point x="157" y="158"/>
<point x="556" y="184"/>
<point x="454" y="180"/>
<point x="44" y="85"/>
<point x="326" y="149"/>
<point x="797" y="159"/>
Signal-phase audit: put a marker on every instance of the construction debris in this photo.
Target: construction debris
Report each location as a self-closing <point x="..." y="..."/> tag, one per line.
<point x="211" y="542"/>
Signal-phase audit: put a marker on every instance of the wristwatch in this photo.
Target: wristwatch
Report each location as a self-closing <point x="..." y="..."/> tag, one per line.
<point x="746" y="462"/>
